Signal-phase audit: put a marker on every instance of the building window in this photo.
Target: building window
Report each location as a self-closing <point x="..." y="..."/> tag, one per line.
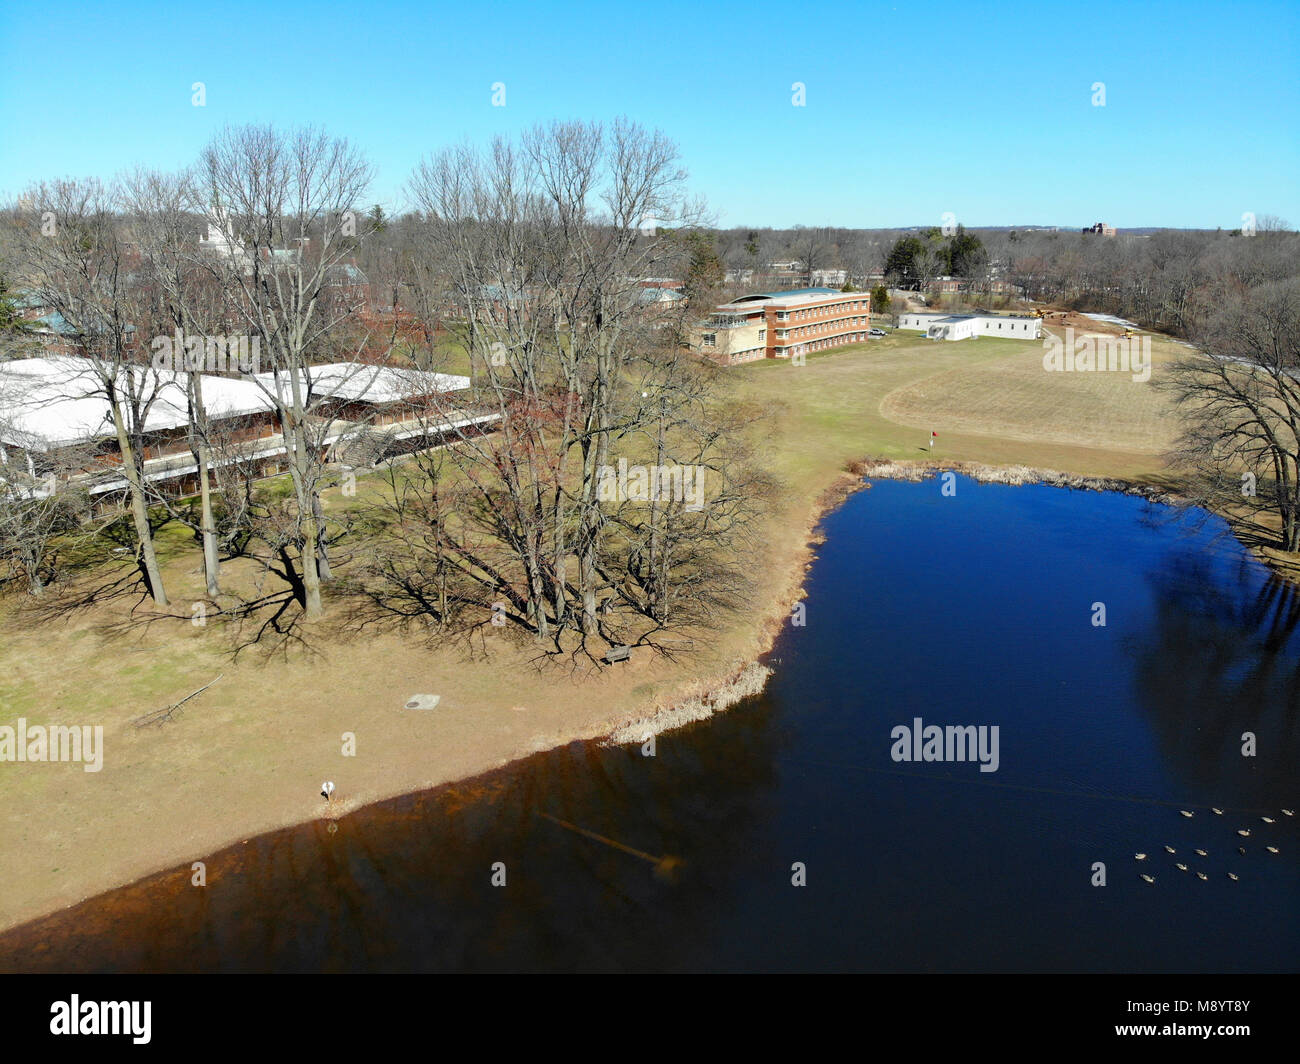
<point x="762" y="335"/>
<point x="781" y="315"/>
<point x="710" y="339"/>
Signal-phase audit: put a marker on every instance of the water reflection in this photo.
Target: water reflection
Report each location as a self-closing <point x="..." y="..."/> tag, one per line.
<point x="1222" y="661"/>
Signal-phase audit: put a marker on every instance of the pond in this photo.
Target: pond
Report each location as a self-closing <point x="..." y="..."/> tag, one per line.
<point x="980" y="608"/>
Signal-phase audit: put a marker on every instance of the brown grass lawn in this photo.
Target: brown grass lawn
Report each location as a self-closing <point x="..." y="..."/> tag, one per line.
<point x="249" y="754"/>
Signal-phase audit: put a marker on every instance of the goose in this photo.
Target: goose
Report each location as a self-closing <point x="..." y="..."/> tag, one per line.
<point x="1271" y="849"/>
<point x="1288" y="812"/>
<point x="1201" y="853"/>
<point x="1243" y="832"/>
<point x="1268" y="820"/>
<point x="1147" y="878"/>
<point x="1139" y="857"/>
<point x="1216" y="812"/>
<point x="1233" y="876"/>
<point x="1186" y="813"/>
<point x="1201" y="875"/>
<point x="1181" y="867"/>
<point x="1170" y="849"/>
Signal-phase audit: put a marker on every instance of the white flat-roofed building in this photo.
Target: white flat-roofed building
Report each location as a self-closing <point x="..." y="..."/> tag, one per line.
<point x="965" y="326"/>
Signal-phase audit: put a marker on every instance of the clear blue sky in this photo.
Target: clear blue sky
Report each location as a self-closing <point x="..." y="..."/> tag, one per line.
<point x="912" y="110"/>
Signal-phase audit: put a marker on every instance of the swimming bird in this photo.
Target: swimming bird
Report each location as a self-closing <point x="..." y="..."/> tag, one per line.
<point x="1288" y="812"/>
<point x="1241" y="850"/>
<point x="1201" y="875"/>
<point x="1139" y="857"/>
<point x="1216" y="812"/>
<point x="1243" y="832"/>
<point x="1181" y="867"/>
<point x="1271" y="849"/>
<point x="1186" y="813"/>
<point x="1149" y="879"/>
<point x="1233" y="876"/>
<point x="1268" y="820"/>
<point x="1201" y="853"/>
<point x="1170" y="849"/>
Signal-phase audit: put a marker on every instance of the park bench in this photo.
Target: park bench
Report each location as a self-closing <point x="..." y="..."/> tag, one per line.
<point x="614" y="654"/>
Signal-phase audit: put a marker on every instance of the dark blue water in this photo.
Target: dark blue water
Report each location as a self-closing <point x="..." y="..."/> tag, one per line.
<point x="972" y="609"/>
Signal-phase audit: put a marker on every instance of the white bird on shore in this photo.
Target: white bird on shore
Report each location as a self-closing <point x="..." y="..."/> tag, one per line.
<point x="1201" y="853"/>
<point x="1271" y="849"/>
<point x="1201" y="875"/>
<point x="1139" y="857"/>
<point x="1170" y="849"/>
<point x="1243" y="832"/>
<point x="1233" y="876"/>
<point x="1181" y="867"/>
<point x="327" y="790"/>
<point x="1147" y="878"/>
<point x="1186" y="813"/>
<point x="1268" y="820"/>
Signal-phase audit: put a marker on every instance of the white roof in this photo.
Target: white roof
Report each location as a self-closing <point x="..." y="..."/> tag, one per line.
<point x="371" y="384"/>
<point x="53" y="402"/>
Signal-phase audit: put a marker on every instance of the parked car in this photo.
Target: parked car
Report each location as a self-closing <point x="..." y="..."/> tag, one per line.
<point x="875" y="332"/>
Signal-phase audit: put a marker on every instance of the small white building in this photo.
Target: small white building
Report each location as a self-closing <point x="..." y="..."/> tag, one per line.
<point x="964" y="326"/>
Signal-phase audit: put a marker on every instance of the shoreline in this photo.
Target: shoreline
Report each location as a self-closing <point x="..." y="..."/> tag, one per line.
<point x="690" y="701"/>
<point x="693" y="699"/>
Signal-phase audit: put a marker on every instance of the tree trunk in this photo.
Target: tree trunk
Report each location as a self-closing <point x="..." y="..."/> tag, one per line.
<point x="203" y="462"/>
<point x="145" y="554"/>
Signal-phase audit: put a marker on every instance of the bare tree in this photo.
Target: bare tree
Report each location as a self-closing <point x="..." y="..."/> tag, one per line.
<point x="75" y="259"/>
<point x="286" y="208"/>
<point x="1240" y="396"/>
<point x="544" y="242"/>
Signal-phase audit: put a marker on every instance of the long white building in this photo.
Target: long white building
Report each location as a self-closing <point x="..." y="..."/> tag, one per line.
<point x="964" y="326"/>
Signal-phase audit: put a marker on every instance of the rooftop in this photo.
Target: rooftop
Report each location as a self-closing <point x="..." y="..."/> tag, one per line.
<point x="371" y="384"/>
<point x="792" y="297"/>
<point x="55" y="402"/>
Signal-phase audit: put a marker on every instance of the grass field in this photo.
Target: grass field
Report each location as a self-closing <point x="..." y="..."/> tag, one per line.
<point x="989" y="399"/>
<point x="249" y="755"/>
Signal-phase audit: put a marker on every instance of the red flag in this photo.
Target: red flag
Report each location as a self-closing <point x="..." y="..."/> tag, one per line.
<point x="935" y="435"/>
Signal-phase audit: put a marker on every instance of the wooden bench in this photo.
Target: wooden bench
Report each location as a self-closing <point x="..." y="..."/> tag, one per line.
<point x="614" y="654"/>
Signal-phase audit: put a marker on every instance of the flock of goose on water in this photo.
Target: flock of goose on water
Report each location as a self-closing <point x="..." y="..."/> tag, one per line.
<point x="1243" y="832"/>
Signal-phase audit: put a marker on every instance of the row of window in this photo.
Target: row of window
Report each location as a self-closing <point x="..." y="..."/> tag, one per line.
<point x="804" y="330"/>
<point x="813" y="312"/>
<point x="818" y="345"/>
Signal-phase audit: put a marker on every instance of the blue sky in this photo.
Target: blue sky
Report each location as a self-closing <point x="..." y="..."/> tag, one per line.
<point x="912" y="110"/>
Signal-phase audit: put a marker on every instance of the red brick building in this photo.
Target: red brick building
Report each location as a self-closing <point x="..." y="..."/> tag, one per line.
<point x="783" y="324"/>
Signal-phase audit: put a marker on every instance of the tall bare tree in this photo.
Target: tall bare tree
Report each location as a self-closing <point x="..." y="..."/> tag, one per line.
<point x="1240" y="395"/>
<point x="75" y="259"/>
<point x="287" y="209"/>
